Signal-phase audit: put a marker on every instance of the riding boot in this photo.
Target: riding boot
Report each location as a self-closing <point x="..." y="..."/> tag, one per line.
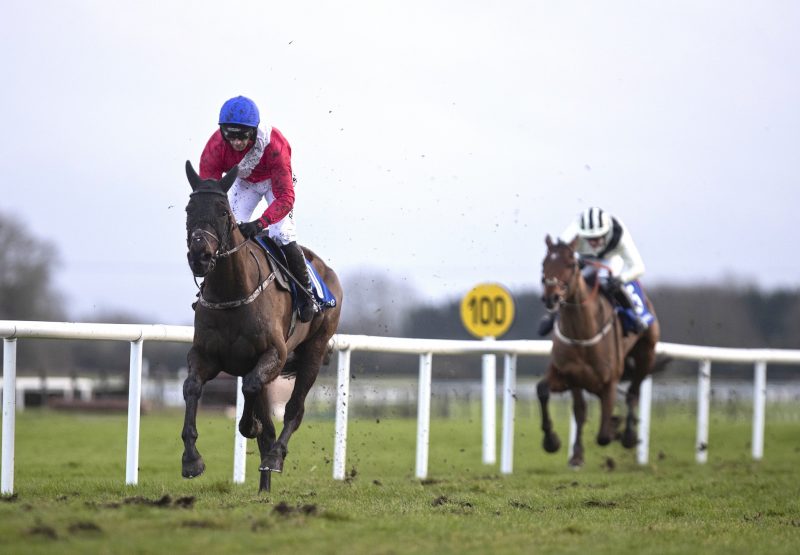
<point x="623" y="296"/>
<point x="546" y="323"/>
<point x="296" y="261"/>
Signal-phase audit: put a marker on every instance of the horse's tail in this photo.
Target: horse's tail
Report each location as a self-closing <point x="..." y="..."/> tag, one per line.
<point x="326" y="360"/>
<point x="659" y="365"/>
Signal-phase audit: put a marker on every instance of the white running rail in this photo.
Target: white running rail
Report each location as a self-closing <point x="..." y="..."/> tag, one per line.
<point x="11" y="331"/>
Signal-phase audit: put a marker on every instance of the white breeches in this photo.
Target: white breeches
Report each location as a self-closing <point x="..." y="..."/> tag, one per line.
<point x="245" y="196"/>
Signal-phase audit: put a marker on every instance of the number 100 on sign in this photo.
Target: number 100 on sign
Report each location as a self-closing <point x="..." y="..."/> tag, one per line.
<point x="487" y="310"/>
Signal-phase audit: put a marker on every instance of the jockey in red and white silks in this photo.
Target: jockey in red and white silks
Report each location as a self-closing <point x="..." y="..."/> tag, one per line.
<point x="264" y="160"/>
<point x="265" y="171"/>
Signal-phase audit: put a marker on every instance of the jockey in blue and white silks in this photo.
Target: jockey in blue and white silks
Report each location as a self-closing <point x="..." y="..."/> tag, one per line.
<point x="599" y="236"/>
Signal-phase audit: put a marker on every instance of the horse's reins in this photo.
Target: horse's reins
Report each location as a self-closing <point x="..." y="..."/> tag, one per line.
<point x="595" y="339"/>
<point x="263" y="285"/>
<point x="217" y="254"/>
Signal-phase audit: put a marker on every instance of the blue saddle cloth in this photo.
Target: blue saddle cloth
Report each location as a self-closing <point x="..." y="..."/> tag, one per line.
<point x="322" y="294"/>
<point x="640" y="310"/>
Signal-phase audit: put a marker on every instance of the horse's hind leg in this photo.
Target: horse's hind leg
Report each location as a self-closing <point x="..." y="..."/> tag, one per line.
<point x="308" y="359"/>
<point x="607" y="426"/>
<point x="200" y="371"/>
<point x="643" y="357"/>
<point x="579" y="411"/>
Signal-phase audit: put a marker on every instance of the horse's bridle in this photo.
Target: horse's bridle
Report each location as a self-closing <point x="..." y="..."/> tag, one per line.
<point x="566" y="286"/>
<point x="203" y="234"/>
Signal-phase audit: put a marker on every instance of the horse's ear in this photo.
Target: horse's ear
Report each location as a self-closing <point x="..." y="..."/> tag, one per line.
<point x="227" y="181"/>
<point x="573" y="243"/>
<point x="194" y="179"/>
<point x="548" y="241"/>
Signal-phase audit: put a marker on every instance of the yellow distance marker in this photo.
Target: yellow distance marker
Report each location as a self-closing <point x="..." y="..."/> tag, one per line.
<point x="487" y="310"/>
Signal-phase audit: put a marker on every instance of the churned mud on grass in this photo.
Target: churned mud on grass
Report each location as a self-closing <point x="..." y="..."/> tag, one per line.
<point x="201" y="524"/>
<point x="591" y="503"/>
<point x="286" y="510"/>
<point x="84" y="527"/>
<point x="43" y="531"/>
<point x="461" y="507"/>
<point x="520" y="505"/>
<point x="164" y="501"/>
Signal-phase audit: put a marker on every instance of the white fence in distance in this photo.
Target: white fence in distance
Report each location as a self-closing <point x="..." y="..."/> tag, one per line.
<point x="11" y="331"/>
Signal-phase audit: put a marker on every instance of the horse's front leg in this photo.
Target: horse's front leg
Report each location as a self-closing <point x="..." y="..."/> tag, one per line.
<point x="579" y="412"/>
<point x="607" y="426"/>
<point x="265" y="439"/>
<point x="200" y="371"/>
<point x="267" y="367"/>
<point x="550" y="442"/>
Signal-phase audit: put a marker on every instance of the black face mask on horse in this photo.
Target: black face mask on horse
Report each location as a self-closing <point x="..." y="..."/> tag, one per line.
<point x="246" y="327"/>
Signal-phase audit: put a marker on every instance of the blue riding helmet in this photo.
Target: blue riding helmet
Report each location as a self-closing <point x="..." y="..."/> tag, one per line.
<point x="239" y="110"/>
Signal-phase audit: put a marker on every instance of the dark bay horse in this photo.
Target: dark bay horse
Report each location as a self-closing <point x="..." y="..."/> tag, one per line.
<point x="590" y="351"/>
<point x="244" y="326"/>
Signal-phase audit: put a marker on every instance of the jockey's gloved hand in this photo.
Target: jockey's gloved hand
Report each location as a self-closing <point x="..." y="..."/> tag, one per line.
<point x="251" y="229"/>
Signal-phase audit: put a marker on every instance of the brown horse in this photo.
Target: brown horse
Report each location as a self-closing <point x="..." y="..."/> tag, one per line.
<point x="245" y="327"/>
<point x="590" y="351"/>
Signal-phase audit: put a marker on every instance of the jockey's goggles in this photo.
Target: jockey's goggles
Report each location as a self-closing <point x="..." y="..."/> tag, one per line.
<point x="237" y="132"/>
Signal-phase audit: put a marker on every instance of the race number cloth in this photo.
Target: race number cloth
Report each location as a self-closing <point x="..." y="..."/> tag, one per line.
<point x="322" y="294"/>
<point x="639" y="307"/>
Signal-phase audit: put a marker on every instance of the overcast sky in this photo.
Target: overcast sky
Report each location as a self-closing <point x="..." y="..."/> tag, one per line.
<point x="434" y="142"/>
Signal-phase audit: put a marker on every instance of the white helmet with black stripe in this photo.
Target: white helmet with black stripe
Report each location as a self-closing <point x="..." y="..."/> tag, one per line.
<point x="594" y="223"/>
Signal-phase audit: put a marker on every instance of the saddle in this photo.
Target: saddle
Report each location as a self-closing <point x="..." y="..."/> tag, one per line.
<point x="278" y="264"/>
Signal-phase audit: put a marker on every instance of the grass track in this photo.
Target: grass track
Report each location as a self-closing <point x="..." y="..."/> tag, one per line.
<point x="71" y="497"/>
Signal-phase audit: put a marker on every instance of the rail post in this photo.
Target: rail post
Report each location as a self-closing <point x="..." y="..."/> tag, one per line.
<point x="239" y="441"/>
<point x="424" y="414"/>
<point x="703" y="408"/>
<point x="759" y="406"/>
<point x="489" y="406"/>
<point x="645" y="404"/>
<point x="509" y="398"/>
<point x="9" y="414"/>
<point x="342" y="394"/>
<point x="134" y="413"/>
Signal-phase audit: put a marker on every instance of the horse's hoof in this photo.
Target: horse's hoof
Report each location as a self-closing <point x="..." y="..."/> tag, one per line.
<point x="603" y="439"/>
<point x="273" y="463"/>
<point x="576" y="463"/>
<point x="630" y="439"/>
<point x="193" y="469"/>
<point x="551" y="443"/>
